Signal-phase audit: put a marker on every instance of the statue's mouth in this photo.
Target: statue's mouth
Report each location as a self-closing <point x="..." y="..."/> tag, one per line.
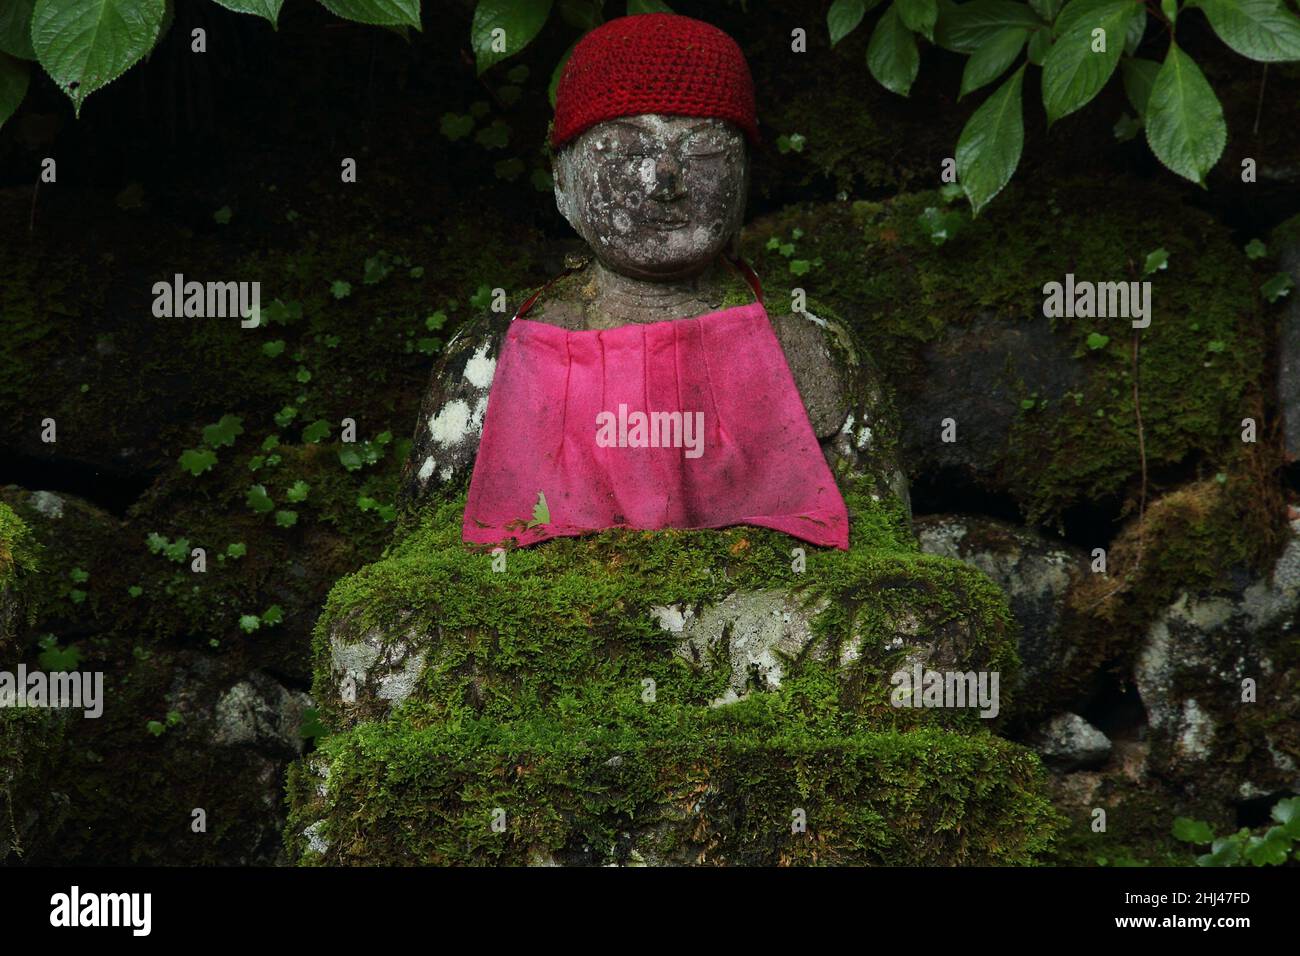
<point x="666" y="225"/>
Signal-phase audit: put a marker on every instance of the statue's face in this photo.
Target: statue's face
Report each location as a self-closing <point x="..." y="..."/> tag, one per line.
<point x="656" y="197"/>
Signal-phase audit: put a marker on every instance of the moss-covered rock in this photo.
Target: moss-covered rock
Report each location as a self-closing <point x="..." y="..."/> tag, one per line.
<point x="17" y="562"/>
<point x="666" y="697"/>
<point x="1046" y="409"/>
<point x="30" y="740"/>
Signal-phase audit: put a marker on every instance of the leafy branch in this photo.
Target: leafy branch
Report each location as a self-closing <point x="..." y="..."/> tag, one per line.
<point x="1079" y="46"/>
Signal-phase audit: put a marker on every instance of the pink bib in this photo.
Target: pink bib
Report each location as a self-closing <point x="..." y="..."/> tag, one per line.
<point x="691" y="423"/>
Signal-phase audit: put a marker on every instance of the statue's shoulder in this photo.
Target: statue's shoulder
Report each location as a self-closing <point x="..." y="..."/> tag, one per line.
<point x="455" y="402"/>
<point x="564" y="301"/>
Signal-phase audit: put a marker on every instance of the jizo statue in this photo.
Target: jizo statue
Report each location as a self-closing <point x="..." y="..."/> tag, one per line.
<point x="650" y="387"/>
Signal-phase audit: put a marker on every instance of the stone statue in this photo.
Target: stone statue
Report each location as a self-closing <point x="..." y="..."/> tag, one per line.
<point x="683" y="697"/>
<point x="660" y="200"/>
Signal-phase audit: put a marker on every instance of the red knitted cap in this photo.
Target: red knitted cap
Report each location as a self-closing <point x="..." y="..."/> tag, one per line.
<point x="653" y="63"/>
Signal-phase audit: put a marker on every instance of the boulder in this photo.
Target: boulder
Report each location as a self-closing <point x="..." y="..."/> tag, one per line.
<point x="1221" y="687"/>
<point x="1068" y="742"/>
<point x="1034" y="570"/>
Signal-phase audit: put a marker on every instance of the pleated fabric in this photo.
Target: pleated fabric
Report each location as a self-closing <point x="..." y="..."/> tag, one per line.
<point x="561" y="429"/>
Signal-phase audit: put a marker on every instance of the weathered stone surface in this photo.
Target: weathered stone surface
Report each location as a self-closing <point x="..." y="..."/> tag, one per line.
<point x="372" y="670"/>
<point x="446" y="436"/>
<point x="976" y="375"/>
<point x="1068" y="742"/>
<point x="1214" y="692"/>
<point x="1035" y="571"/>
<point x="755" y="632"/>
<point x="262" y="713"/>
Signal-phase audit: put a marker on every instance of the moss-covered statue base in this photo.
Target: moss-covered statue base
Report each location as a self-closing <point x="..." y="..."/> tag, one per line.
<point x="672" y="697"/>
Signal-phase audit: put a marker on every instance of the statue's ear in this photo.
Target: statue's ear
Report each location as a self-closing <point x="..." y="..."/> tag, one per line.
<point x="562" y="176"/>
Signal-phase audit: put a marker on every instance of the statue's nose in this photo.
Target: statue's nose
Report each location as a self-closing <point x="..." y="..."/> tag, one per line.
<point x="668" y="177"/>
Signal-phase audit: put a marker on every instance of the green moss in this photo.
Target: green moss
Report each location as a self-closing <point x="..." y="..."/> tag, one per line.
<point x="532" y="692"/>
<point x="902" y="293"/>
<point x="18" y="562"/>
<point x="723" y="786"/>
<point x="17" y="548"/>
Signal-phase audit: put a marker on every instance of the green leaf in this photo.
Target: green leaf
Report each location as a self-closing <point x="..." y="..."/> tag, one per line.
<point x="965" y="28"/>
<point x="455" y="126"/>
<point x="16" y="28"/>
<point x="1185" y="126"/>
<point x="236" y="549"/>
<point x="919" y="16"/>
<point x="1255" y="249"/>
<point x="1139" y="76"/>
<point x="380" y="13"/>
<point x="1072" y="73"/>
<point x="647" y="6"/>
<point x="273" y="348"/>
<point x="197" y="460"/>
<point x="273" y="615"/>
<point x="1156" y="261"/>
<point x="988" y="151"/>
<point x="541" y="512"/>
<point x="518" y="22"/>
<point x="298" y="491"/>
<point x="1137" y="28"/>
<point x="1040" y="41"/>
<point x="135" y="590"/>
<point x="258" y="499"/>
<point x="992" y="59"/>
<point x="1193" y="831"/>
<point x="1261" y="30"/>
<point x="249" y="623"/>
<point x="1287" y="813"/>
<point x="1225" y="851"/>
<point x="1276" y="287"/>
<point x="268" y="9"/>
<point x="844" y="16"/>
<point x="1047" y="9"/>
<point x="892" y="56"/>
<point x="316" y="431"/>
<point x="941" y="224"/>
<point x="1127" y="127"/>
<point x="55" y="658"/>
<point x="14" y="77"/>
<point x="1097" y="341"/>
<point x="311" y="726"/>
<point x="495" y="136"/>
<point x="1271" y="849"/>
<point x="286" y="519"/>
<point x="86" y="44"/>
<point x="224" y="432"/>
<point x="340" y="289"/>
